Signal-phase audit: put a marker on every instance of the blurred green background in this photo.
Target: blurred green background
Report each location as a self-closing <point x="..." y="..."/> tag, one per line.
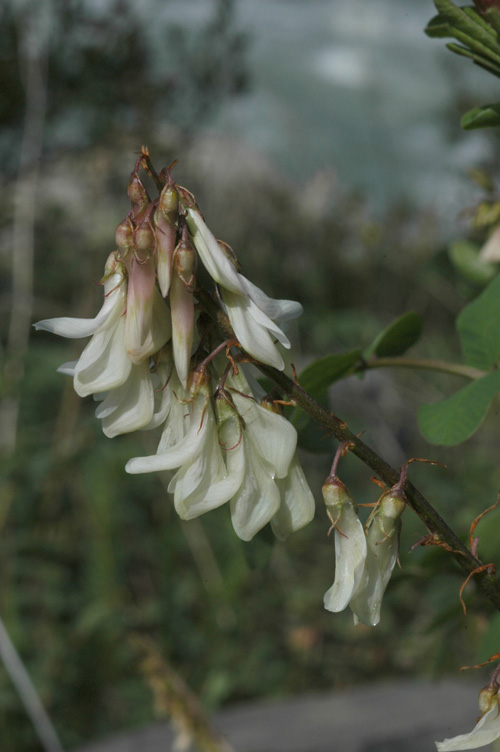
<point x="89" y="555"/>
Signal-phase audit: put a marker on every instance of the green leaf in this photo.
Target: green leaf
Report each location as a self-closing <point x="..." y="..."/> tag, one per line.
<point x="464" y="256"/>
<point x="456" y="418"/>
<point x="469" y="28"/>
<point x="483" y="50"/>
<point x="493" y="15"/>
<point x="319" y="375"/>
<point x="438" y="28"/>
<point x="478" y="326"/>
<point x="480" y="60"/>
<point x="398" y="337"/>
<point x="486" y="116"/>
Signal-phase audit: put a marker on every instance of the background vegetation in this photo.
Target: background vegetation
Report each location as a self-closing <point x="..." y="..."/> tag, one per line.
<point x="89" y="555"/>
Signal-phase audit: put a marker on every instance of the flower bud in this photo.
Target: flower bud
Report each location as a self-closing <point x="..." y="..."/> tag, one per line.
<point x="137" y="194"/>
<point x="168" y="204"/>
<point x="144" y="241"/>
<point x="185" y="264"/>
<point x="124" y="237"/>
<point x="166" y="233"/>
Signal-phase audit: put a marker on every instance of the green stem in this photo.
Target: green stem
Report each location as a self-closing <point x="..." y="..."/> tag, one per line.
<point x="429" y="364"/>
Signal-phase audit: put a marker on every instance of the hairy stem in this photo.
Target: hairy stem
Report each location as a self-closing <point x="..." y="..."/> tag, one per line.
<point x="434" y="523"/>
<point x="335" y="426"/>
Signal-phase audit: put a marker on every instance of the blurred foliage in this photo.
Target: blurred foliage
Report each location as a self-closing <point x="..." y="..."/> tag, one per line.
<point x="90" y="555"/>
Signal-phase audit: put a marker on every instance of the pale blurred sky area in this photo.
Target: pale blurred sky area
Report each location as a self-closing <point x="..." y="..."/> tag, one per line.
<point x="358" y="88"/>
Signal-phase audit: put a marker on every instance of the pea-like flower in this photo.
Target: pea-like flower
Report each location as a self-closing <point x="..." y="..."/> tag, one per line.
<point x="382" y="536"/>
<point x="253" y="315"/>
<point x="486" y="730"/>
<point x="104" y="364"/>
<point x="350" y="544"/>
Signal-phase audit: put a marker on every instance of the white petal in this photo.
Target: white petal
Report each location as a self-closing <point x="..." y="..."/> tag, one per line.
<point x="263" y="320"/>
<point x="130" y="406"/>
<point x="74" y="328"/>
<point x="273" y="436"/>
<point x="258" y="498"/>
<point x="350" y="556"/>
<point x="297" y="502"/>
<point x="178" y="421"/>
<point x="280" y="310"/>
<point x="205" y="484"/>
<point x="253" y="337"/>
<point x="104" y="364"/>
<point x="381" y="557"/>
<point x="68" y="368"/>
<point x="68" y="327"/>
<point x="182" y="308"/>
<point x="215" y="261"/>
<point x="486" y="731"/>
<point x="161" y="380"/>
<point x="148" y="327"/>
<point x="184" y="451"/>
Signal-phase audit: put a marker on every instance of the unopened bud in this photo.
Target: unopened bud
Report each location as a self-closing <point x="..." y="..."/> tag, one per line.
<point x="169" y="203"/>
<point x="487" y="697"/>
<point x="144" y="241"/>
<point x="335" y="495"/>
<point x="124" y="237"/>
<point x="137" y="193"/>
<point x="185" y="264"/>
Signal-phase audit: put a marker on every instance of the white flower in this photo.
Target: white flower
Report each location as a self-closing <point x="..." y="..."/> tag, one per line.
<point x="161" y="379"/>
<point x="273" y="437"/>
<point x="130" y="406"/>
<point x="350" y="545"/>
<point x="258" y="498"/>
<point x="487" y="729"/>
<point x="296" y="502"/>
<point x="382" y="535"/>
<point x="205" y="482"/>
<point x="215" y="261"/>
<point x="115" y="293"/>
<point x="172" y="456"/>
<point x="104" y="364"/>
<point x="252" y="313"/>
<point x="147" y="322"/>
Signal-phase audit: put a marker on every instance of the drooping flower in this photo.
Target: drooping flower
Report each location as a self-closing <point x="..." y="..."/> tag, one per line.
<point x="130" y="406"/>
<point x="350" y="543"/>
<point x="297" y="506"/>
<point x="200" y="419"/>
<point x="103" y="364"/>
<point x="253" y="315"/>
<point x="382" y="536"/>
<point x="486" y="730"/>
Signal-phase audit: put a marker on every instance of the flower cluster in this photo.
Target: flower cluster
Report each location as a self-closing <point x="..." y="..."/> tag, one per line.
<point x="364" y="556"/>
<point x="155" y="360"/>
